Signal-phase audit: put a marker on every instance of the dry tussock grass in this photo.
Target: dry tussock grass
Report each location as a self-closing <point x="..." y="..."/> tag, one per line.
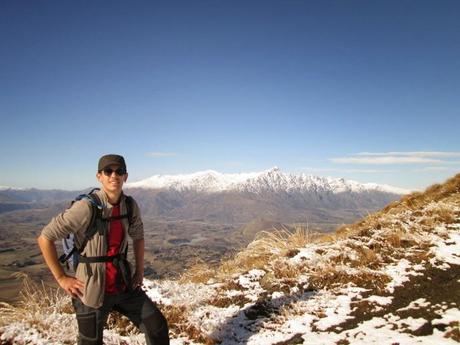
<point x="243" y="262"/>
<point x="268" y="282"/>
<point x="282" y="269"/>
<point x="441" y="214"/>
<point x="327" y="238"/>
<point x="331" y="276"/>
<point x="394" y="238"/>
<point x="266" y="247"/>
<point x="428" y="223"/>
<point x="421" y="256"/>
<point x="177" y="317"/>
<point x="121" y="324"/>
<point x="454" y="332"/>
<point x="225" y="301"/>
<point x="231" y="285"/>
<point x="269" y="245"/>
<point x="36" y="300"/>
<point x="279" y="242"/>
<point x="198" y="273"/>
<point x="361" y="257"/>
<point x="367" y="257"/>
<point x="361" y="228"/>
<point x="433" y="193"/>
<point x="284" y="287"/>
<point x="398" y="238"/>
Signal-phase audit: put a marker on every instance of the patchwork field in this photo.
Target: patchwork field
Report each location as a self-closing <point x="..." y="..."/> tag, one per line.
<point x="172" y="245"/>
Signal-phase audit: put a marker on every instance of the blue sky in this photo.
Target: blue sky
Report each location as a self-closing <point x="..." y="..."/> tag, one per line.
<point x="365" y="90"/>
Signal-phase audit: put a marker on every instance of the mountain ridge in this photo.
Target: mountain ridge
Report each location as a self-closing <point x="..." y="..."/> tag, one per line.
<point x="272" y="179"/>
<point x="233" y="198"/>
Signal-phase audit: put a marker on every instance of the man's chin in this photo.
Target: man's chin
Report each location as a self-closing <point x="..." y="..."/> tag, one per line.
<point x="113" y="189"/>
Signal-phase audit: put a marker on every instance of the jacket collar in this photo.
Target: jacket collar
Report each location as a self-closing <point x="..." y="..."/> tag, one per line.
<point x="105" y="200"/>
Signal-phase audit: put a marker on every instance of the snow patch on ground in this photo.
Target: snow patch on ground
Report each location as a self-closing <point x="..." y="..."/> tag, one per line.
<point x="380" y="300"/>
<point x="449" y="251"/>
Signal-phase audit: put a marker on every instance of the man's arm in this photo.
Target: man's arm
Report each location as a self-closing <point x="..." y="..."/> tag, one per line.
<point x="71" y="285"/>
<point x="139" y="248"/>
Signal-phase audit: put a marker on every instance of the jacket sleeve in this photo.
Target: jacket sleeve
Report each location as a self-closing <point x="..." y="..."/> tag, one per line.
<point x="136" y="229"/>
<point x="73" y="220"/>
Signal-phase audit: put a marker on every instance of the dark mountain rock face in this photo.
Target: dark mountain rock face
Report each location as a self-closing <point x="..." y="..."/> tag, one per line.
<point x="27" y="199"/>
<point x="242" y="207"/>
<point x="219" y="207"/>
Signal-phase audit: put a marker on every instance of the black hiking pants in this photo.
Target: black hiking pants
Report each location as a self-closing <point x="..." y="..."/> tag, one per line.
<point x="135" y="305"/>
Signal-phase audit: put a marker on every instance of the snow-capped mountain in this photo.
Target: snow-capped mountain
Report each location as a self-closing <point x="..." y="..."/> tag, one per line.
<point x="10" y="188"/>
<point x="271" y="194"/>
<point x="272" y="180"/>
<point x="236" y="198"/>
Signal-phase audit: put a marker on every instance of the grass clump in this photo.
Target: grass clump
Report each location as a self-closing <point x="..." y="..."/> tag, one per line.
<point x="35" y="301"/>
<point x="178" y="321"/>
<point x="45" y="309"/>
<point x="121" y="324"/>
<point x="199" y="273"/>
<point x="267" y="247"/>
<point x="335" y="276"/>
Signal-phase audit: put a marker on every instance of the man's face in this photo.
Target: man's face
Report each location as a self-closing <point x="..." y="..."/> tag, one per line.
<point x="112" y="178"/>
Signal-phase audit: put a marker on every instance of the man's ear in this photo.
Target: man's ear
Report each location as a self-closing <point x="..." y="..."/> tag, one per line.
<point x="98" y="176"/>
<point x="125" y="177"/>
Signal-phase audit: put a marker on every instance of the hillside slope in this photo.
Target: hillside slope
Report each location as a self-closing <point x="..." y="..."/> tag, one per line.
<point x="392" y="278"/>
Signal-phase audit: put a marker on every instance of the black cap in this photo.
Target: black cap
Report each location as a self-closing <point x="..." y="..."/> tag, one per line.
<point x="111" y="159"/>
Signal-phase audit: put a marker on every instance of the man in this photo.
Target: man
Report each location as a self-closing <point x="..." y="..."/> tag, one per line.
<point x="97" y="288"/>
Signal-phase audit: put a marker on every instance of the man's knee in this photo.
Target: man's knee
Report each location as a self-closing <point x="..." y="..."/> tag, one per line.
<point x="155" y="328"/>
<point x="88" y="330"/>
<point x="90" y="324"/>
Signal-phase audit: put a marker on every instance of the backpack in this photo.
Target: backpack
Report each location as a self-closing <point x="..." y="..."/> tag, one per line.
<point x="72" y="254"/>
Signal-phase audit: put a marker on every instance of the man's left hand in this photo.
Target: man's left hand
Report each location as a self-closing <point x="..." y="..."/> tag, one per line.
<point x="137" y="279"/>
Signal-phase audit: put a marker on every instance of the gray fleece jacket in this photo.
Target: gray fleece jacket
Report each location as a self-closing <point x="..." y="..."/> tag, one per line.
<point x="76" y="220"/>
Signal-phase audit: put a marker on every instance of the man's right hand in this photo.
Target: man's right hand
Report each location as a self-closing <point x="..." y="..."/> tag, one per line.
<point x="72" y="286"/>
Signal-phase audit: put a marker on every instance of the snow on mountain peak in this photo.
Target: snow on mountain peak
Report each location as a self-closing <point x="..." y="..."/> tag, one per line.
<point x="269" y="180"/>
<point x="10" y="188"/>
<point x="204" y="181"/>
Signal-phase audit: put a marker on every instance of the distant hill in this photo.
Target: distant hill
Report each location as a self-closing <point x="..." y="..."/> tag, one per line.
<point x="12" y="199"/>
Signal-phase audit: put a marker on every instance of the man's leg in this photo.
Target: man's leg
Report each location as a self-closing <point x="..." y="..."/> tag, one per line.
<point x="144" y="314"/>
<point x="91" y="322"/>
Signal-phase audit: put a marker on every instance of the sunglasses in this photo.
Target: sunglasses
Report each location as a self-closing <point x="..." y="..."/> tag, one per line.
<point x="109" y="171"/>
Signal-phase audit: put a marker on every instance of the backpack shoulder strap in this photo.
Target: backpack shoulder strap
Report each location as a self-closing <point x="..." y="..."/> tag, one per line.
<point x="96" y="213"/>
<point x="129" y="208"/>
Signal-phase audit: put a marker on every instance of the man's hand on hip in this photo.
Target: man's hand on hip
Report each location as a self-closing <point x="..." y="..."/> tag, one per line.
<point x="72" y="286"/>
<point x="137" y="279"/>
